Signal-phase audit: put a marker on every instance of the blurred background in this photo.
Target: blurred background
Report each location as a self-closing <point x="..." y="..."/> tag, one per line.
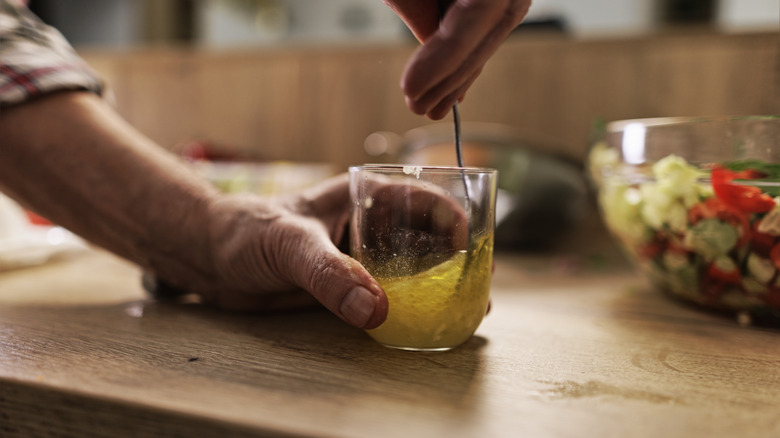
<point x="312" y="79"/>
<point x="318" y="81"/>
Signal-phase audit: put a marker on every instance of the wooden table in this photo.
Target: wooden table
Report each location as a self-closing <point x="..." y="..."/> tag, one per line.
<point x="575" y="346"/>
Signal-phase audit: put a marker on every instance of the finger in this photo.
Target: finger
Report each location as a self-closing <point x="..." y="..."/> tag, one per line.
<point x="273" y="251"/>
<point x="447" y="217"/>
<point x="326" y="196"/>
<point x="445" y="63"/>
<point x="460" y="79"/>
<point x="463" y="29"/>
<point x="445" y="106"/>
<point x="337" y="281"/>
<point x="328" y="201"/>
<point x="434" y="221"/>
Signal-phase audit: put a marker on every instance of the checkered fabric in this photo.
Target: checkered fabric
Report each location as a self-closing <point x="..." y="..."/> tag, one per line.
<point x="35" y="59"/>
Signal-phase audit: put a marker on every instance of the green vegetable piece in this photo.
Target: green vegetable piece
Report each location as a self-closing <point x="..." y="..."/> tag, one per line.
<point x="711" y="238"/>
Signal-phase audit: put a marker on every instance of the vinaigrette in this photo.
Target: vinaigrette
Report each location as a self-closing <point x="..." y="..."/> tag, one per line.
<point x="440" y="307"/>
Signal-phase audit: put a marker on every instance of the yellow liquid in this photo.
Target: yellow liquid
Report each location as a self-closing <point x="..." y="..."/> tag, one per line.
<point x="438" y="308"/>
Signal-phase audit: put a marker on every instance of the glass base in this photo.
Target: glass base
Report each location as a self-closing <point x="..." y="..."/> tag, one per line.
<point x="423" y="349"/>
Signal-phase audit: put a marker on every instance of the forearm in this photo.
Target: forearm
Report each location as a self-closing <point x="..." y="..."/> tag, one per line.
<point x="71" y="158"/>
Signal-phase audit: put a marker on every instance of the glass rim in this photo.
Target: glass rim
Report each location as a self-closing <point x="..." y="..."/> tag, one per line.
<point x="619" y="125"/>
<point x="411" y="169"/>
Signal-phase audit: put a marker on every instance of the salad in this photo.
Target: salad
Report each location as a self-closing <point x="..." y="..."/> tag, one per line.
<point x="707" y="233"/>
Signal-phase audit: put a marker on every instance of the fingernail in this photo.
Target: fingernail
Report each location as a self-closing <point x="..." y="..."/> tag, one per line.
<point x="358" y="306"/>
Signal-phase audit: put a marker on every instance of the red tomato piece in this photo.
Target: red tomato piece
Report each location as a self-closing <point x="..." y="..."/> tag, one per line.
<point x="747" y="199"/>
<point x="732" y="276"/>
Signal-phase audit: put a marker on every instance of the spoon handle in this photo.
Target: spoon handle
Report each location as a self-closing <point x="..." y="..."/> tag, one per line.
<point x="458" y="143"/>
<point x="443" y="6"/>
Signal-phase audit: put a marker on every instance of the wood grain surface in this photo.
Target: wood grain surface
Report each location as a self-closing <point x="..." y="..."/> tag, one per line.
<point x="576" y="346"/>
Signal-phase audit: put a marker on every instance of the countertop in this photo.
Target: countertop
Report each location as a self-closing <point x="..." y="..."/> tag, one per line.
<point x="576" y="345"/>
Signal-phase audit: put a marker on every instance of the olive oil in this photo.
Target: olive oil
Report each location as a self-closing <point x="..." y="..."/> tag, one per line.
<point x="441" y="307"/>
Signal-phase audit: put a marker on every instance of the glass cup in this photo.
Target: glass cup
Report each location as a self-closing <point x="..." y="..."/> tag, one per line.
<point x="426" y="235"/>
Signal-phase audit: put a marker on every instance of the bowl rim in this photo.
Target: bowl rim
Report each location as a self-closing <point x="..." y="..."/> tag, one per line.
<point x="620" y="125"/>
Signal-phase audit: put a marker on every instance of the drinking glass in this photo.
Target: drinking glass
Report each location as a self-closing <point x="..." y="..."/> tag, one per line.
<point x="425" y="233"/>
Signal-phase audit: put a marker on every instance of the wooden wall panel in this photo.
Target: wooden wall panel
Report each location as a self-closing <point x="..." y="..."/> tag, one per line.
<point x="560" y="89"/>
<point x="253" y="103"/>
<point x="319" y="104"/>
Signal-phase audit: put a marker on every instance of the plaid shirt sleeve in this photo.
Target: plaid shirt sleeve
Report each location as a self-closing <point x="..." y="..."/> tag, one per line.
<point x="35" y="59"/>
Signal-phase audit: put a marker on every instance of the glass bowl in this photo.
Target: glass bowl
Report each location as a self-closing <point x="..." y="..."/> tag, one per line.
<point x="694" y="203"/>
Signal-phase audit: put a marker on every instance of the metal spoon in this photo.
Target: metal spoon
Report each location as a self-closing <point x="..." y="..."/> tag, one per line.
<point x="458" y="144"/>
<point x="443" y="5"/>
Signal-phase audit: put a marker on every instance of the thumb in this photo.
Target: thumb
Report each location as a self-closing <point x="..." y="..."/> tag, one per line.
<point x="340" y="283"/>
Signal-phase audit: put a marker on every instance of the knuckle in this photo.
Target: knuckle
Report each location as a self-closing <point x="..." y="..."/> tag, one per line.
<point x="513" y="10"/>
<point x="325" y="275"/>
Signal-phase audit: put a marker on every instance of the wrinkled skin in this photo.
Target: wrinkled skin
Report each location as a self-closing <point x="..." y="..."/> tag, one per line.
<point x="281" y="252"/>
<point x="289" y="246"/>
<point x="453" y="51"/>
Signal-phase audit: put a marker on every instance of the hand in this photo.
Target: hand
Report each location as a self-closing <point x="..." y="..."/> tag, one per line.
<point x="274" y="252"/>
<point x="410" y="220"/>
<point x="455" y="50"/>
